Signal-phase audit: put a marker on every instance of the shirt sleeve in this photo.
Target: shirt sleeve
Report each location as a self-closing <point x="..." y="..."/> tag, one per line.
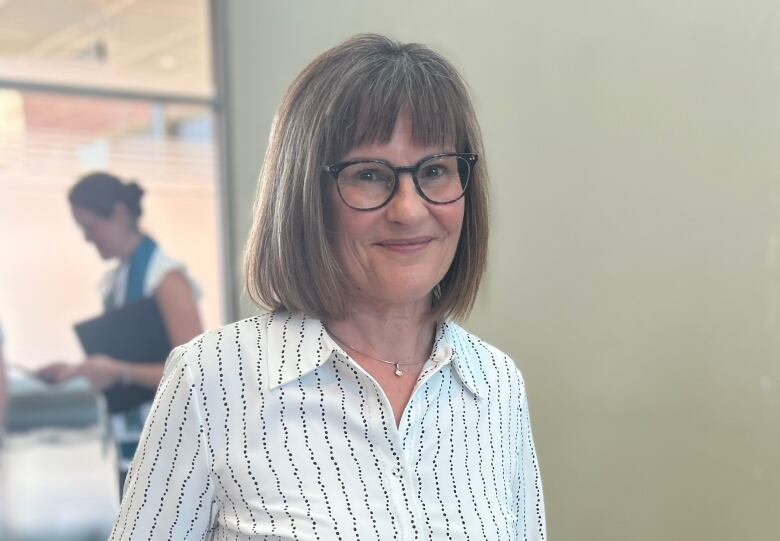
<point x="169" y="491"/>
<point x="530" y="498"/>
<point x="159" y="267"/>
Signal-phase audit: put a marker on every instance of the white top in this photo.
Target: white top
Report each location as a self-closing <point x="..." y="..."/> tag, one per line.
<point x="114" y="283"/>
<point x="267" y="429"/>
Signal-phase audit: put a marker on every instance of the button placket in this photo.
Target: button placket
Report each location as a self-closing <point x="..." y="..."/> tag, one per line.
<point x="390" y="440"/>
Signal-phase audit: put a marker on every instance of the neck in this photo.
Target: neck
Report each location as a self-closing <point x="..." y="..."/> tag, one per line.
<point x="129" y="246"/>
<point x="401" y="333"/>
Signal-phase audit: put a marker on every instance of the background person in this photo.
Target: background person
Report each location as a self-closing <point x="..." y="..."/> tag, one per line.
<point x="356" y="407"/>
<point x="108" y="211"/>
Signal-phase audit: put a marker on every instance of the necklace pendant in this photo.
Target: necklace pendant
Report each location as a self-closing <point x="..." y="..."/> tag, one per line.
<point x="398" y="371"/>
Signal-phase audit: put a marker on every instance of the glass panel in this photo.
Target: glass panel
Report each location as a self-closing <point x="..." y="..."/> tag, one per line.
<point x="46" y="142"/>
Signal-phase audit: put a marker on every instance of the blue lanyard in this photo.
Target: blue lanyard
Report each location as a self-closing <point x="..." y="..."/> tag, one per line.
<point x="136" y="274"/>
<point x="139" y="263"/>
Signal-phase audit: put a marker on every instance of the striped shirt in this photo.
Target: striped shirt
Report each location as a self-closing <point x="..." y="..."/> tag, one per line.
<point x="267" y="429"/>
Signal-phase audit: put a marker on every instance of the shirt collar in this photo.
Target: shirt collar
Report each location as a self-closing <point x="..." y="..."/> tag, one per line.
<point x="298" y="344"/>
<point x="457" y="339"/>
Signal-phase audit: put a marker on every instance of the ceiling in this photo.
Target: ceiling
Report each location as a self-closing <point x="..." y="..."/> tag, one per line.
<point x="157" y="44"/>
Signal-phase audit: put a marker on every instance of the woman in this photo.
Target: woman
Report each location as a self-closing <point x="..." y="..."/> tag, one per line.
<point x="356" y="408"/>
<point x="108" y="211"/>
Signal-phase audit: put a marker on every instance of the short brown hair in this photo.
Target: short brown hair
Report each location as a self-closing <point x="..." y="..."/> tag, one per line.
<point x="289" y="262"/>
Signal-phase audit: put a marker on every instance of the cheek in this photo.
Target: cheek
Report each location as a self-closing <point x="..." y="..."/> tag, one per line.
<point x="102" y="233"/>
<point x="342" y="223"/>
<point x="345" y="225"/>
<point x="452" y="218"/>
<point x="342" y="227"/>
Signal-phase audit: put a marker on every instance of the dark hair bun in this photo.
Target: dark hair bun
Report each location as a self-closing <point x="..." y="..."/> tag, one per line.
<point x="99" y="192"/>
<point x="132" y="199"/>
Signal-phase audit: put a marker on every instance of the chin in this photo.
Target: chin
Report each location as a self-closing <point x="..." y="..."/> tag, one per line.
<point x="396" y="286"/>
<point x="405" y="293"/>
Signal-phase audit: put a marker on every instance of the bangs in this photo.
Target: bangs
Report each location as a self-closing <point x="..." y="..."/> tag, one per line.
<point x="370" y="104"/>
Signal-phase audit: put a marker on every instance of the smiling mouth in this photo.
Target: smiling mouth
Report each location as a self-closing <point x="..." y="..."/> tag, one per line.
<point x="406" y="246"/>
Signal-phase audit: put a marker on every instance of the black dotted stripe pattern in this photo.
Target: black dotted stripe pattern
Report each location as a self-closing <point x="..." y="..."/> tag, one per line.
<point x="266" y="429"/>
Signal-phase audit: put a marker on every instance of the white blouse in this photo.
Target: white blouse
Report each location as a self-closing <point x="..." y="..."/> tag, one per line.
<point x="114" y="283"/>
<point x="267" y="429"/>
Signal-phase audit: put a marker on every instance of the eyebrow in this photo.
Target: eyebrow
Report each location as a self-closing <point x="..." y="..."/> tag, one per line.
<point x="370" y="159"/>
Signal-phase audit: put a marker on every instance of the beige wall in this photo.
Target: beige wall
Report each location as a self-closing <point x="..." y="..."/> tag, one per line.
<point x="636" y="226"/>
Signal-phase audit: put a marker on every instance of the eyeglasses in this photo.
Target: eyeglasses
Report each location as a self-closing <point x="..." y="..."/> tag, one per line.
<point x="371" y="184"/>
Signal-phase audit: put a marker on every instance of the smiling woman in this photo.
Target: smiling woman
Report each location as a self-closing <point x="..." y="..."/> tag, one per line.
<point x="356" y="406"/>
<point x="395" y="252"/>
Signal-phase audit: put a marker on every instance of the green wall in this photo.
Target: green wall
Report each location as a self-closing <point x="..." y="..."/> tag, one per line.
<point x="634" y="272"/>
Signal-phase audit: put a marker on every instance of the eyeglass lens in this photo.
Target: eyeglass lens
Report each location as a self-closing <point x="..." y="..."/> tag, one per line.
<point x="366" y="185"/>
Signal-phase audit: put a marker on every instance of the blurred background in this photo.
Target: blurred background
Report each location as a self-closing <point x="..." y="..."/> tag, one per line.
<point x="120" y="86"/>
<point x="634" y="273"/>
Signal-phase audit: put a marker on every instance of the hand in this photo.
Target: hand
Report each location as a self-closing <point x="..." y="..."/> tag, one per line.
<point x="55" y="373"/>
<point x="101" y="370"/>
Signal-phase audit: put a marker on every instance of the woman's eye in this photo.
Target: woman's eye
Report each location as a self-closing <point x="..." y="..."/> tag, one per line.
<point x="371" y="175"/>
<point x="433" y="171"/>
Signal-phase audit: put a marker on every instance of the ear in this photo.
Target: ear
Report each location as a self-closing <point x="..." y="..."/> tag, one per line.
<point x="121" y="214"/>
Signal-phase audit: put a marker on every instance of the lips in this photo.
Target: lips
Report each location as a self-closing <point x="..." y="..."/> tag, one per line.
<point x="404" y="246"/>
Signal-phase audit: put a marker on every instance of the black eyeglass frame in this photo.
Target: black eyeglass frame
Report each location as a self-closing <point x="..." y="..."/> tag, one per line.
<point x="334" y="170"/>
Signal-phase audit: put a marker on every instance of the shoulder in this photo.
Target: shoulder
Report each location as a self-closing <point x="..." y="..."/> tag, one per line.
<point x="490" y="368"/>
<point x="244" y="359"/>
<point x="230" y="355"/>
<point x="224" y="340"/>
<point x="162" y="265"/>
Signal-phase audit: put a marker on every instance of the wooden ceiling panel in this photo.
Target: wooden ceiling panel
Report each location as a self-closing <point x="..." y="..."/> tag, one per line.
<point x="167" y="39"/>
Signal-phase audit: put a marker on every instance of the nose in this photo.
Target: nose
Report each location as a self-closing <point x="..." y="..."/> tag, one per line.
<point x="406" y="206"/>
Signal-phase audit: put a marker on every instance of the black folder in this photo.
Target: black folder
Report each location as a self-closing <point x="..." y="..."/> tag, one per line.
<point x="133" y="333"/>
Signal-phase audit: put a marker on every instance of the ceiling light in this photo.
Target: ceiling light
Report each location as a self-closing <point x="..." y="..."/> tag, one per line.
<point x="166" y="61"/>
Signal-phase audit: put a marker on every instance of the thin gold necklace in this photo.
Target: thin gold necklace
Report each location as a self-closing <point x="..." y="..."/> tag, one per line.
<point x="398" y="370"/>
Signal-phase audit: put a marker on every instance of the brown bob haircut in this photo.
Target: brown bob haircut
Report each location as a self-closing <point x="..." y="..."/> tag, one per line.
<point x="350" y="95"/>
